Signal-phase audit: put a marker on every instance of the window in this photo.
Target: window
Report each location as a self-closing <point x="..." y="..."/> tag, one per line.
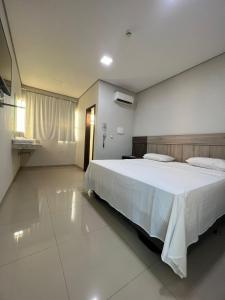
<point x="47" y="118"/>
<point x="20" y="116"/>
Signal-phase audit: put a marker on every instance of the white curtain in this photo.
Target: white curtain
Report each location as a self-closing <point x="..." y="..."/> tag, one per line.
<point x="49" y="118"/>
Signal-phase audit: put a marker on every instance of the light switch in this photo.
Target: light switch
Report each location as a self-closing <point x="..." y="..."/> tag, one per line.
<point x="120" y="130"/>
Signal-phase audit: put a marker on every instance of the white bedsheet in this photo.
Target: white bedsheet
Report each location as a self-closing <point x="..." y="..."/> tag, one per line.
<point x="172" y="201"/>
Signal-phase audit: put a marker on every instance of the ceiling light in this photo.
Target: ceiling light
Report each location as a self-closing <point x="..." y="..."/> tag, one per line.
<point x="106" y="60"/>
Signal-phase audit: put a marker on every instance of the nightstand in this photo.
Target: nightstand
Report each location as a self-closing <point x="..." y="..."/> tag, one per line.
<point x="128" y="157"/>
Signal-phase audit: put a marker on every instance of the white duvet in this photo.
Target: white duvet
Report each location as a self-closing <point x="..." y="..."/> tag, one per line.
<point x="172" y="201"/>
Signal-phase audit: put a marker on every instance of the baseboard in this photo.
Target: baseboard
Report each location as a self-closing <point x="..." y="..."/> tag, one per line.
<point x="52" y="166"/>
<point x="79" y="167"/>
<point x="48" y="166"/>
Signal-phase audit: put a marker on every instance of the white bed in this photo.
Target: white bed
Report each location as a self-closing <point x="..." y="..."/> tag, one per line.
<point x="173" y="201"/>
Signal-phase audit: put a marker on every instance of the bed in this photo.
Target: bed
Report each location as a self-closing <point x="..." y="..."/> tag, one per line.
<point x="172" y="201"/>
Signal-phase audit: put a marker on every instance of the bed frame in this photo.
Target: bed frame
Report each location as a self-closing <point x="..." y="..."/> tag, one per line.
<point x="181" y="146"/>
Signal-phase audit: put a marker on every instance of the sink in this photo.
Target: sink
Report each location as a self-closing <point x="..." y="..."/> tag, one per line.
<point x="25" y="145"/>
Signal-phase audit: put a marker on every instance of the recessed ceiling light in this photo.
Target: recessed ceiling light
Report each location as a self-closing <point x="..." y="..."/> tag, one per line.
<point x="106" y="60"/>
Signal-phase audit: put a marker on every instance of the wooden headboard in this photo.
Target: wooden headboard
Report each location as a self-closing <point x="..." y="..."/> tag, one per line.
<point x="181" y="146"/>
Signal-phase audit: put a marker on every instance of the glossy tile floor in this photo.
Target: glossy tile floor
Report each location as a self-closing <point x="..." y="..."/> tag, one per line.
<point x="56" y="243"/>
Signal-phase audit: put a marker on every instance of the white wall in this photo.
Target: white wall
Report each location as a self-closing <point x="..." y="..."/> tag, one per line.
<point x="109" y="112"/>
<point x="52" y="153"/>
<point x="9" y="160"/>
<point x="89" y="98"/>
<point x="192" y="102"/>
<point x="114" y="115"/>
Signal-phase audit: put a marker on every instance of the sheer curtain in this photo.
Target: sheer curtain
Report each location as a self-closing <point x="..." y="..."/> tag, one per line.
<point x="49" y="118"/>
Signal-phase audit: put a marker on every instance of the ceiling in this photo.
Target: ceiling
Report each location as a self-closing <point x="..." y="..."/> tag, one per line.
<point x="59" y="43"/>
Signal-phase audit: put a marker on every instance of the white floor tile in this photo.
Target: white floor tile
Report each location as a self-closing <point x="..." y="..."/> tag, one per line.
<point x="101" y="254"/>
<point x="65" y="201"/>
<point x="145" y="287"/>
<point x="79" y="221"/>
<point x="24" y="202"/>
<point x="36" y="277"/>
<point x="19" y="240"/>
<point x="97" y="265"/>
<point x="206" y="272"/>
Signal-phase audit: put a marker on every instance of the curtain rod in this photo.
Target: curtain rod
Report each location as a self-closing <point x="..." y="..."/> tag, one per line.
<point x="49" y="94"/>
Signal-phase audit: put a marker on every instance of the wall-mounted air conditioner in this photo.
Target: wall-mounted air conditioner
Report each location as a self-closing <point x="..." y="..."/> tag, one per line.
<point x="123" y="98"/>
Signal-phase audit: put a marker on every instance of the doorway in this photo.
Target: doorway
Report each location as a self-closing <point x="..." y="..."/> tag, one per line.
<point x="89" y="135"/>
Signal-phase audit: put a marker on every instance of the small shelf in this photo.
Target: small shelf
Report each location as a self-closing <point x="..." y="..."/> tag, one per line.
<point x="26" y="147"/>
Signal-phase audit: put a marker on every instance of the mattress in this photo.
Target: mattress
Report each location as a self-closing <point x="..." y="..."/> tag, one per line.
<point x="172" y="201"/>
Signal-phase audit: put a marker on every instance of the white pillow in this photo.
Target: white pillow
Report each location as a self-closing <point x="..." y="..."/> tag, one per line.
<point x="206" y="162"/>
<point x="158" y="157"/>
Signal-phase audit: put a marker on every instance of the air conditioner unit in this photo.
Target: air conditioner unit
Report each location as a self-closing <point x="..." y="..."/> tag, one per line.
<point x="123" y="98"/>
